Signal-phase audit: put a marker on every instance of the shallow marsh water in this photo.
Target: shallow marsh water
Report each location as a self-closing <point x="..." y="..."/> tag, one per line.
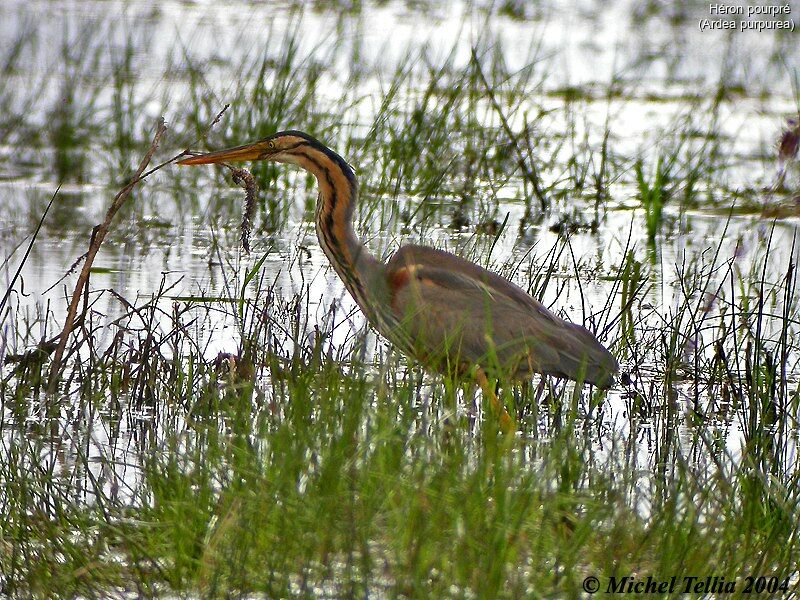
<point x="591" y="89"/>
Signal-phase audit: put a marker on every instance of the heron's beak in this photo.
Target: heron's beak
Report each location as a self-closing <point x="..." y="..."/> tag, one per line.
<point x="255" y="151"/>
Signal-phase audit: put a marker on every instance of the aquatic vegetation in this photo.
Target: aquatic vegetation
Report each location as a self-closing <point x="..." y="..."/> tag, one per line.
<point x="653" y="195"/>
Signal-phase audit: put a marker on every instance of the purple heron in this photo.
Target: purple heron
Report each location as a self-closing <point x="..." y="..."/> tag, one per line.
<point x="448" y="313"/>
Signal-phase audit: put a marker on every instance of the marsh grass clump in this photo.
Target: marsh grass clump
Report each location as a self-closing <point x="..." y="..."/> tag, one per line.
<point x="653" y="195"/>
<point x="633" y="281"/>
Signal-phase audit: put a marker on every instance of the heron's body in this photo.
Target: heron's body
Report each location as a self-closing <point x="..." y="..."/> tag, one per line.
<point x="448" y="313"/>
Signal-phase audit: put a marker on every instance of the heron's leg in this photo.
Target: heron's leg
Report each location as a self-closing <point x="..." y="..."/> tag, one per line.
<point x="507" y="424"/>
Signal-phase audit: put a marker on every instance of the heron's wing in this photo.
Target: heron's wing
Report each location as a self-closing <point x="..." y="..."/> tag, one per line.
<point x="431" y="257"/>
<point x="455" y="311"/>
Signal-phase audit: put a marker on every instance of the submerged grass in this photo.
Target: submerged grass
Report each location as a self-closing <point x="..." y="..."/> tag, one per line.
<point x="307" y="458"/>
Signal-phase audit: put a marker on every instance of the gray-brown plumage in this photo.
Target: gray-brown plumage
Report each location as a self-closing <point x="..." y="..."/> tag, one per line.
<point x="457" y="311"/>
<point x="449" y="313"/>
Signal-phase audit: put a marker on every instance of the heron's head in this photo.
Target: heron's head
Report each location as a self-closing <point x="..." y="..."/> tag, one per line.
<point x="284" y="146"/>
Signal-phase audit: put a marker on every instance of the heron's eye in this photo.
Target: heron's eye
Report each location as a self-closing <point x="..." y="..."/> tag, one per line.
<point x="271" y="145"/>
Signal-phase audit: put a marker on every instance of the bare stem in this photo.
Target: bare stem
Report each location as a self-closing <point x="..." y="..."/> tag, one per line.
<point x="98" y="235"/>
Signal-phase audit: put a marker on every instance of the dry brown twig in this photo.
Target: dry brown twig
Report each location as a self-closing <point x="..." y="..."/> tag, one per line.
<point x="98" y="235"/>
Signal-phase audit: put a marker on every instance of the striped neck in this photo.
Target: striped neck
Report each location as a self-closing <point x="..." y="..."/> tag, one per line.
<point x="362" y="274"/>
